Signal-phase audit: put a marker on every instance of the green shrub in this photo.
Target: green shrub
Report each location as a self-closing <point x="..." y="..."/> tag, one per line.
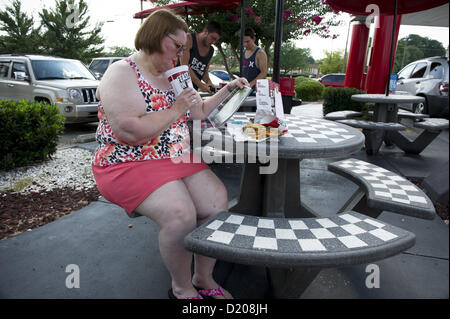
<point x="307" y="89"/>
<point x="339" y="99"/>
<point x="301" y="79"/>
<point x="29" y="131"/>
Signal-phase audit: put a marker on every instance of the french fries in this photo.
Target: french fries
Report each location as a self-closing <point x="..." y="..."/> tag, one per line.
<point x="259" y="131"/>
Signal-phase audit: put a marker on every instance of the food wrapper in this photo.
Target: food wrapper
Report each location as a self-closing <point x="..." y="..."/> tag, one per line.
<point x="269" y="105"/>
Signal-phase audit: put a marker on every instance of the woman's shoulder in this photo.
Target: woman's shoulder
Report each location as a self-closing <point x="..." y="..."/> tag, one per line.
<point x="119" y="67"/>
<point x="119" y="74"/>
<point x="119" y="71"/>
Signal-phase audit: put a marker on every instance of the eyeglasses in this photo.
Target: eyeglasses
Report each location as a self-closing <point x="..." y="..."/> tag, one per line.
<point x="180" y="47"/>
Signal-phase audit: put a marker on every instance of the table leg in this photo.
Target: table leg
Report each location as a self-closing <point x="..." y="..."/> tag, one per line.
<point x="251" y="194"/>
<point x="392" y="117"/>
<point x="417" y="145"/>
<point x="274" y="195"/>
<point x="374" y="139"/>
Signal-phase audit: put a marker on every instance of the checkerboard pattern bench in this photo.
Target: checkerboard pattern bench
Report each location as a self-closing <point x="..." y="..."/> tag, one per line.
<point x="403" y="114"/>
<point x="342" y="115"/>
<point x="373" y="131"/>
<point x="345" y="239"/>
<point x="410" y="115"/>
<point x="382" y="190"/>
<point x="432" y="127"/>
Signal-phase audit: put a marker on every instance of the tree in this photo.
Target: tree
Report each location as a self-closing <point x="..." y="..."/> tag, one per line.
<point x="21" y="36"/>
<point x="413" y="48"/>
<point x="301" y="18"/>
<point x="119" y="51"/>
<point x="293" y="58"/>
<point x="67" y="32"/>
<point x="332" y="63"/>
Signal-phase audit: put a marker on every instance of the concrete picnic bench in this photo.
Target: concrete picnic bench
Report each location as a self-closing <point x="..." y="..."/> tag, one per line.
<point x="295" y="249"/>
<point x="374" y="132"/>
<point x="387" y="110"/>
<point x="432" y="127"/>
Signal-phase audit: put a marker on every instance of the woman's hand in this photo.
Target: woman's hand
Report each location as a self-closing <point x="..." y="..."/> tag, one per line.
<point x="239" y="82"/>
<point x="186" y="100"/>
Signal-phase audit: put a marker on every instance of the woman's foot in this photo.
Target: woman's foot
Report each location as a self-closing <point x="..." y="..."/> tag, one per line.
<point x="211" y="287"/>
<point x="184" y="293"/>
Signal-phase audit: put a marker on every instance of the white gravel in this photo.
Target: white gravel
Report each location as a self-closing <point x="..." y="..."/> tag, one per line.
<point x="69" y="167"/>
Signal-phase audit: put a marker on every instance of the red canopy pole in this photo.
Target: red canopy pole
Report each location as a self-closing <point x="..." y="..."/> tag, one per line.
<point x="357" y="55"/>
<point x="377" y="74"/>
<point x="393" y="44"/>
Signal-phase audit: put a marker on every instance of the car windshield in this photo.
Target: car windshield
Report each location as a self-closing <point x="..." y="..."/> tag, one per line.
<point x="60" y="69"/>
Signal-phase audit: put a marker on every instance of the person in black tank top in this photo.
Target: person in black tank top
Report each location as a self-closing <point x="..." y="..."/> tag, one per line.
<point x="255" y="59"/>
<point x="198" y="54"/>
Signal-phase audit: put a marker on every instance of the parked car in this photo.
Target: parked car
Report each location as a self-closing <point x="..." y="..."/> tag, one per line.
<point x="98" y="66"/>
<point x="428" y="78"/>
<point x="333" y="79"/>
<point x="223" y="75"/>
<point x="65" y="82"/>
<point x="218" y="82"/>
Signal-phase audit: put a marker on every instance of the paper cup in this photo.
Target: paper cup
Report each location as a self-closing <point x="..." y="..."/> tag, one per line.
<point x="179" y="78"/>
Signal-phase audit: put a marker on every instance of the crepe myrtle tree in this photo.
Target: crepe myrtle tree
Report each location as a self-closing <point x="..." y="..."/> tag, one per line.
<point x="301" y="18"/>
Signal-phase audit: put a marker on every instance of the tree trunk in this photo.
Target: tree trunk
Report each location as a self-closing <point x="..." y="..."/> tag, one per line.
<point x="225" y="60"/>
<point x="267" y="50"/>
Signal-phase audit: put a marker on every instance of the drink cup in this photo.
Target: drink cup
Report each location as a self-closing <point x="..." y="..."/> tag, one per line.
<point x="179" y="78"/>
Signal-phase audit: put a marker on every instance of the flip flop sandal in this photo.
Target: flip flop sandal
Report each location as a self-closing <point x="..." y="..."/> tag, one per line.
<point x="210" y="292"/>
<point x="172" y="296"/>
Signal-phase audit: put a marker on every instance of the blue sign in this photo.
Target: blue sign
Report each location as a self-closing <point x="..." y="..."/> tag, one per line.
<point x="393" y="78"/>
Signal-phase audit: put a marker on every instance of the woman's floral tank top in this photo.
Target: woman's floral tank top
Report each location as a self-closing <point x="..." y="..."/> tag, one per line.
<point x="173" y="142"/>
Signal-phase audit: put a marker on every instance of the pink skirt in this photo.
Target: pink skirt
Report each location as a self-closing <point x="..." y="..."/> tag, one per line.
<point x="128" y="184"/>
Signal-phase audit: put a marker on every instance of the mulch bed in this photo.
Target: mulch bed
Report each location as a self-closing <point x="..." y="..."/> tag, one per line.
<point x="20" y="213"/>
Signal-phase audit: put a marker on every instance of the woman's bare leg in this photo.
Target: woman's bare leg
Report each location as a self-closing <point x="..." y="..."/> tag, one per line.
<point x="171" y="207"/>
<point x="209" y="196"/>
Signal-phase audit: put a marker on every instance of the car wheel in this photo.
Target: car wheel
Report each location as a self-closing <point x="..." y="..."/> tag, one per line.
<point x="421" y="107"/>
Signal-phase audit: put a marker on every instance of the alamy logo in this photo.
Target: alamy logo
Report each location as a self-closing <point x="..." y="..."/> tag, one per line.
<point x="210" y="146"/>
<point x="374" y="12"/>
<point x="74" y="17"/>
<point x="73" y="280"/>
<point x="373" y="279"/>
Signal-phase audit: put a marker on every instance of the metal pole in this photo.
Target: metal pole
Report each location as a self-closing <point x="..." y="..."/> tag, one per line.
<point x="278" y="39"/>
<point x="142" y="8"/>
<point x="346" y="45"/>
<point x="241" y="60"/>
<point x="394" y="25"/>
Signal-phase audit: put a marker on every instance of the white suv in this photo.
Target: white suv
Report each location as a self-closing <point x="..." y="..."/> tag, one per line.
<point x="65" y="82"/>
<point x="428" y="78"/>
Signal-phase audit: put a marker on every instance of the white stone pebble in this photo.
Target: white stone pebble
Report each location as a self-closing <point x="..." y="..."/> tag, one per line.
<point x="69" y="167"/>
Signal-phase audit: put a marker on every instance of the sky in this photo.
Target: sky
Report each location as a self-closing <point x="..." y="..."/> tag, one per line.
<point x="120" y="27"/>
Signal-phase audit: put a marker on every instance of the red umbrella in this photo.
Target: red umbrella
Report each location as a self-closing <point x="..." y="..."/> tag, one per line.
<point x="191" y="8"/>
<point x="386" y="6"/>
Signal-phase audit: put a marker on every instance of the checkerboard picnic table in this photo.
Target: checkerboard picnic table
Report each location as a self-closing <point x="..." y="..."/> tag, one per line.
<point x="387" y="111"/>
<point x="278" y="194"/>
